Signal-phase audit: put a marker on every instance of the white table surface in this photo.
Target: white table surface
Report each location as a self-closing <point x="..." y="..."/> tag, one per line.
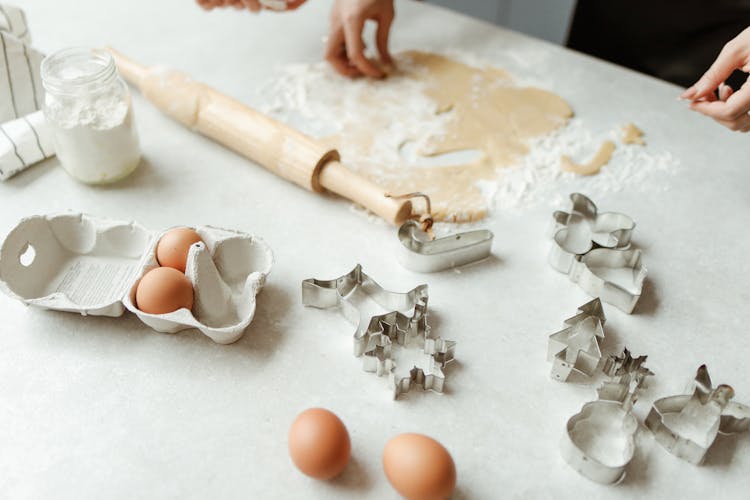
<point x="107" y="408"/>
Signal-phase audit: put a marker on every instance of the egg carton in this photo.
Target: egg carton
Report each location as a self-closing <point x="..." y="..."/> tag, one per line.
<point x="79" y="263"/>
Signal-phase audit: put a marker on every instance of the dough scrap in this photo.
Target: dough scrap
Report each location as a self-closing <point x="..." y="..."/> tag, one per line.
<point x="594" y="165"/>
<point x="632" y="135"/>
<point x="479" y="109"/>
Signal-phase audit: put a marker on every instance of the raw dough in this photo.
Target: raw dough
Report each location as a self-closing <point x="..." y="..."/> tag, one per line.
<point x="632" y="135"/>
<point x="593" y="166"/>
<point x="476" y="109"/>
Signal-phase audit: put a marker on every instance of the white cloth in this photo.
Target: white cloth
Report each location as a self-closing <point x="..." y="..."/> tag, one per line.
<point x="25" y="137"/>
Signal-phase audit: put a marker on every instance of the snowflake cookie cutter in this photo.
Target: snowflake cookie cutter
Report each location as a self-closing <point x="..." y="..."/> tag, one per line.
<point x="420" y="251"/>
<point x="577" y="347"/>
<point x="378" y="338"/>
<point x="687" y="425"/>
<point x="599" y="442"/>
<point x="594" y="250"/>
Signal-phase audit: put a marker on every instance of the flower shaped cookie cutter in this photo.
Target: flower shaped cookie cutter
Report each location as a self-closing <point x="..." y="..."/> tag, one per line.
<point x="593" y="249"/>
<point x="381" y="339"/>
<point x="687" y="425"/>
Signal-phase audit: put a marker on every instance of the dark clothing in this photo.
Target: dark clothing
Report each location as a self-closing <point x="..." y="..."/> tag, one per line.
<point x="675" y="40"/>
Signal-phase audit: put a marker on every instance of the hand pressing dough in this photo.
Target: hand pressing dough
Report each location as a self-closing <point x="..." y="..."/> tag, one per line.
<point x="594" y="165"/>
<point x="632" y="135"/>
<point x="478" y="109"/>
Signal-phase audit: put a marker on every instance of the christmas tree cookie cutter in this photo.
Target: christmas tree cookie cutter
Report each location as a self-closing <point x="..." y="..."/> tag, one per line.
<point x="599" y="442"/>
<point x="420" y="251"/>
<point x="577" y="347"/>
<point x="594" y="250"/>
<point x="687" y="425"/>
<point x="379" y="338"/>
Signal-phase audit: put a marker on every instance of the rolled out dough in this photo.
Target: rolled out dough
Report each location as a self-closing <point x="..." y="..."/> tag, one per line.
<point x="476" y="109"/>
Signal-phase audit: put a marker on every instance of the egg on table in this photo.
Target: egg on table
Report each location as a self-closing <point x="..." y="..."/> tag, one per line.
<point x="173" y="247"/>
<point x="319" y="443"/>
<point x="419" y="467"/>
<point x="163" y="290"/>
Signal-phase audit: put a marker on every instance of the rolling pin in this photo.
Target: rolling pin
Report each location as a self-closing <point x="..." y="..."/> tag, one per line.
<point x="279" y="148"/>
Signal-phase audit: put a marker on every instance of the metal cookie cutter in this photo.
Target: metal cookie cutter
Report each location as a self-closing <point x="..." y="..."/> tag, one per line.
<point x="421" y="252"/>
<point x="593" y="249"/>
<point x="687" y="425"/>
<point x="381" y="339"/>
<point x="599" y="441"/>
<point x="577" y="348"/>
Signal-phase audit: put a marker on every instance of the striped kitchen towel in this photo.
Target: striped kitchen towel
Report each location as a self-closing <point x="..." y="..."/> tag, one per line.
<point x="25" y="137"/>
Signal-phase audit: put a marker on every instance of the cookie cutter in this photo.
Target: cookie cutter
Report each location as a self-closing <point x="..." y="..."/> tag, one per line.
<point x="583" y="228"/>
<point x="599" y="442"/>
<point x="616" y="276"/>
<point x="594" y="250"/>
<point x="377" y="339"/>
<point x="577" y="347"/>
<point x="420" y="251"/>
<point x="687" y="425"/>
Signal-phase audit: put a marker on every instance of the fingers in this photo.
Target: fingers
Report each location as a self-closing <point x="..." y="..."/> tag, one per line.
<point x="336" y="53"/>
<point x="207" y="4"/>
<point x="736" y="105"/>
<point x="725" y="91"/>
<point x="730" y="58"/>
<point x="252" y="5"/>
<point x="355" y="47"/>
<point x="741" y="124"/>
<point x="293" y="4"/>
<point x="384" y="30"/>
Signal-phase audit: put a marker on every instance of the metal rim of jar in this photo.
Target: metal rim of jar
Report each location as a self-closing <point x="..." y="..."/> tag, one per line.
<point x="80" y="85"/>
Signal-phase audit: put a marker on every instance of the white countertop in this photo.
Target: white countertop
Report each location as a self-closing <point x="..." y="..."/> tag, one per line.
<point x="95" y="407"/>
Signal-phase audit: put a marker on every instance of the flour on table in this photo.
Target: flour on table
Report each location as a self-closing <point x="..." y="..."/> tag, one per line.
<point x="405" y="134"/>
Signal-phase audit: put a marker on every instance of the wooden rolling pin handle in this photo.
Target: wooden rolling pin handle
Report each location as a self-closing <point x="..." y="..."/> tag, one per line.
<point x="279" y="148"/>
<point x="342" y="181"/>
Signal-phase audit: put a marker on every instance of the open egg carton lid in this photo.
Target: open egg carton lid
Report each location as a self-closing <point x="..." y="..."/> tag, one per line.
<point x="90" y="265"/>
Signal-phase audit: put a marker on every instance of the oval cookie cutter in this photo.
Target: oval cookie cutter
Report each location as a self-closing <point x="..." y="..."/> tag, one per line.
<point x="420" y="251"/>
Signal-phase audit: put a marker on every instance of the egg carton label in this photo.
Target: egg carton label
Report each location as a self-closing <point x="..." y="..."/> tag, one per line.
<point x="93" y="281"/>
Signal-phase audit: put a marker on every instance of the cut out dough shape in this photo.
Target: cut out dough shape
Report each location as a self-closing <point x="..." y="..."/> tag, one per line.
<point x="479" y="109"/>
<point x="594" y="165"/>
<point x="632" y="135"/>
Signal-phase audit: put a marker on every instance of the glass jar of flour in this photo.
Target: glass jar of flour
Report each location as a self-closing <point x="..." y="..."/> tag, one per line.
<point x="90" y="112"/>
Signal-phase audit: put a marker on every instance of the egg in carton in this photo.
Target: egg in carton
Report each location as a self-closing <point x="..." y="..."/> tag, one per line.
<point x="90" y="265"/>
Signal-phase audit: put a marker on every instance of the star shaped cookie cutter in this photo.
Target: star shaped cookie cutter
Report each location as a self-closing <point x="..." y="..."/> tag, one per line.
<point x="599" y="442"/>
<point x="377" y="339"/>
<point x="420" y="251"/>
<point x="594" y="250"/>
<point x="577" y="347"/>
<point x="687" y="425"/>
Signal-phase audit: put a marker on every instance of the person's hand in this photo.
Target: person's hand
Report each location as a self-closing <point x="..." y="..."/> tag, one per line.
<point x="731" y="108"/>
<point x="251" y="5"/>
<point x="345" y="49"/>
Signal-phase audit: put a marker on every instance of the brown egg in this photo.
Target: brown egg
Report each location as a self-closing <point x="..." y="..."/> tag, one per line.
<point x="419" y="468"/>
<point x="163" y="290"/>
<point x="319" y="443"/>
<point x="172" y="249"/>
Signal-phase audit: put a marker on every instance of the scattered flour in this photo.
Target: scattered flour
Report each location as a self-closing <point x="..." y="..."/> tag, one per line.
<point x="312" y="98"/>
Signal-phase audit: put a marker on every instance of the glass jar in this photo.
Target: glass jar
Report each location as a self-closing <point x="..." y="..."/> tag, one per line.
<point x="89" y="109"/>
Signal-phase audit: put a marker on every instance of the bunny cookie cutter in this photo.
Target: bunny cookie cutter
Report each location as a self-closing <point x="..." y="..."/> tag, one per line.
<point x="687" y="425"/>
